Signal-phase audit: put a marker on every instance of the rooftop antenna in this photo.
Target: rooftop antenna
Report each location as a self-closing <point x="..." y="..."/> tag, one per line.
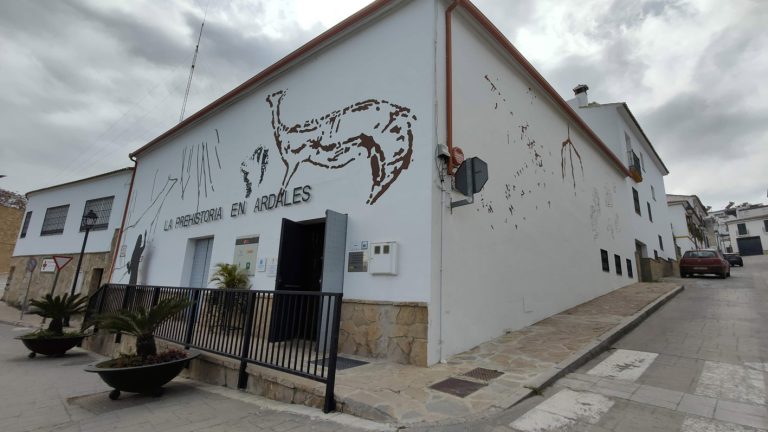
<point x="192" y="68"/>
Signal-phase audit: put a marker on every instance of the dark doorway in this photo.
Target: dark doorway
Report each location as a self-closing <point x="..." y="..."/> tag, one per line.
<point x="96" y="275"/>
<point x="750" y="246"/>
<point x="305" y="247"/>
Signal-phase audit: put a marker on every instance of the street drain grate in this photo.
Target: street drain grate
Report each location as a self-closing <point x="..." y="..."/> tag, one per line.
<point x="457" y="387"/>
<point x="341" y="363"/>
<point x="483" y="374"/>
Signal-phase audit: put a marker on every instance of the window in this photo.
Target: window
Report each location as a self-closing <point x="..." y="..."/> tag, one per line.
<point x="661" y="243"/>
<point x="655" y="254"/>
<point x="636" y="197"/>
<point x="765" y="225"/>
<point x="629" y="269"/>
<point x="617" y="263"/>
<point x="642" y="162"/>
<point x="26" y="224"/>
<point x="103" y="208"/>
<point x="604" y="259"/>
<point x="742" y="229"/>
<point x="55" y="217"/>
<point x="653" y="193"/>
<point x="650" y="215"/>
<point x="700" y="254"/>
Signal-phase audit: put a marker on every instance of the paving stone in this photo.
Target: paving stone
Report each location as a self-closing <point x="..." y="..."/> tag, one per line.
<point x="697" y="405"/>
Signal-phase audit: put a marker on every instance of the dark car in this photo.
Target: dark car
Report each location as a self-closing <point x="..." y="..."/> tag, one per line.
<point x="734" y="259"/>
<point x="704" y="261"/>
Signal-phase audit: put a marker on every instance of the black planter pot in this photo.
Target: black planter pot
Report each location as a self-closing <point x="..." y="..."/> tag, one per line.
<point x="56" y="347"/>
<point x="148" y="379"/>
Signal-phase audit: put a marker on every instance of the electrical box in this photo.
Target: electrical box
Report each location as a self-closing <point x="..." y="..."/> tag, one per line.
<point x="382" y="259"/>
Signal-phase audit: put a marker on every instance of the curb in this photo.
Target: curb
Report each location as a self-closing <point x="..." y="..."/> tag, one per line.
<point x="590" y="351"/>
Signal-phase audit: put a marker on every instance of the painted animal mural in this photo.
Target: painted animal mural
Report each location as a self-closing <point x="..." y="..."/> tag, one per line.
<point x="377" y="130"/>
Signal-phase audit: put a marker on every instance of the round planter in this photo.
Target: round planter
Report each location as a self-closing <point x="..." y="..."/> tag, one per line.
<point x="56" y="347"/>
<point x="148" y="379"/>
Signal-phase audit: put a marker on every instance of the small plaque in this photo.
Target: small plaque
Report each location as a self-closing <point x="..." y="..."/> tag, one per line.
<point x="357" y="262"/>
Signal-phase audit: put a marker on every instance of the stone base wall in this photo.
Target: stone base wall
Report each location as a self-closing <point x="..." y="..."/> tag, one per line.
<point x="396" y="331"/>
<point x="42" y="282"/>
<point x="652" y="270"/>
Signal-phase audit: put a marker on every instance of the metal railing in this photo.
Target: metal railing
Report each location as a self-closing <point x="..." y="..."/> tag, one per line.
<point x="296" y="332"/>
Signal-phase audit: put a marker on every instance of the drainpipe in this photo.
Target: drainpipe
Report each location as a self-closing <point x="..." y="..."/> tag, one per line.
<point x="449" y="83"/>
<point x="116" y="252"/>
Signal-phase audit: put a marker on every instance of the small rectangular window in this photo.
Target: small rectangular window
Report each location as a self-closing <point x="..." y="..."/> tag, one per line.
<point x="642" y="162"/>
<point x="661" y="243"/>
<point x="103" y="208"/>
<point x="655" y="254"/>
<point x="636" y="198"/>
<point x="55" y="218"/>
<point x="742" y="229"/>
<point x="629" y="268"/>
<point x="765" y="225"/>
<point x="604" y="259"/>
<point x="26" y="224"/>
<point x="650" y="215"/>
<point x="653" y="193"/>
<point x="617" y="263"/>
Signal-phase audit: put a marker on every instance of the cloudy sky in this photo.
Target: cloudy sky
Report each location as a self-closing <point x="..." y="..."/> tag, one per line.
<point x="84" y="82"/>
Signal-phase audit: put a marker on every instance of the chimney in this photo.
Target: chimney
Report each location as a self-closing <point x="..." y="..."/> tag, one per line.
<point x="581" y="94"/>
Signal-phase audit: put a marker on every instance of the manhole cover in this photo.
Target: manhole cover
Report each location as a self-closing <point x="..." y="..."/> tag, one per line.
<point x="483" y="374"/>
<point x="341" y="363"/>
<point x="457" y="387"/>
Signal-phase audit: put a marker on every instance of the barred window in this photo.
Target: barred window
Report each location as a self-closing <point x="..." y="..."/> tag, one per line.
<point x="26" y="224"/>
<point x="103" y="208"/>
<point x="55" y="217"/>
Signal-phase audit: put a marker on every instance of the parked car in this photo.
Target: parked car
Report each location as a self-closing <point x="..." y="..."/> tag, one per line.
<point x="704" y="261"/>
<point x="734" y="259"/>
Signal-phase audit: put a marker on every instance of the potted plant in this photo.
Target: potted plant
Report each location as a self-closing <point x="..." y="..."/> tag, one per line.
<point x="227" y="276"/>
<point x="54" y="341"/>
<point x="146" y="371"/>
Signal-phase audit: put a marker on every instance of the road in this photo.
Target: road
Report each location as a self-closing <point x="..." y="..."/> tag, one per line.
<point x="698" y="364"/>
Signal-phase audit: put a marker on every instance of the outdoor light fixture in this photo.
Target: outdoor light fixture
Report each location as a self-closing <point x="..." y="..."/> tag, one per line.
<point x="89" y="220"/>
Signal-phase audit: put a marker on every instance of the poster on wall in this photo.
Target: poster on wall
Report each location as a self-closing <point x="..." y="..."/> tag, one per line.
<point x="261" y="264"/>
<point x="272" y="267"/>
<point x="246" y="249"/>
<point x="48" y="266"/>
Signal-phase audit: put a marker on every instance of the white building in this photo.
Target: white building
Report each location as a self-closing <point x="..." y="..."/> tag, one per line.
<point x="615" y="124"/>
<point x="747" y="229"/>
<point x="688" y="217"/>
<point x="52" y="226"/>
<point x="335" y="153"/>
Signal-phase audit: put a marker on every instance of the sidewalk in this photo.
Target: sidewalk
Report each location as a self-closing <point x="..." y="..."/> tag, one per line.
<point x="527" y="359"/>
<point x="518" y="363"/>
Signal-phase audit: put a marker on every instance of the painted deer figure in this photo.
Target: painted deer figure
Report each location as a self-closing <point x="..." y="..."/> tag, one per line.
<point x="374" y="129"/>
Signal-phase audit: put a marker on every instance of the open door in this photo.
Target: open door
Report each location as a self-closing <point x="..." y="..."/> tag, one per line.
<point x="334" y="252"/>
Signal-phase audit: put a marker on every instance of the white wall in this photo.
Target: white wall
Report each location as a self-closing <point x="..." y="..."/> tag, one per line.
<point x="391" y="60"/>
<point x="755" y="226"/>
<point x="71" y="240"/>
<point x="529" y="246"/>
<point x="610" y="125"/>
<point x="680" y="228"/>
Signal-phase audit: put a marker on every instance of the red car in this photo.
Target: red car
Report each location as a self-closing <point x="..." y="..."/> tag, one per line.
<point x="704" y="261"/>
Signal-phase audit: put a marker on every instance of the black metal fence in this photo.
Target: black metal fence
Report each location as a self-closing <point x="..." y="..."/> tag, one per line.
<point x="291" y="331"/>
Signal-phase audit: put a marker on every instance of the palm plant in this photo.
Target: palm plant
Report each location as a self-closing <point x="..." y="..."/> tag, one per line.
<point x="58" y="308"/>
<point x="142" y="323"/>
<point x="230" y="276"/>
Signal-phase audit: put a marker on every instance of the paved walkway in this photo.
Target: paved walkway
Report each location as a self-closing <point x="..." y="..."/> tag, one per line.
<point x="699" y="364"/>
<point x="54" y="394"/>
<point x="403" y="395"/>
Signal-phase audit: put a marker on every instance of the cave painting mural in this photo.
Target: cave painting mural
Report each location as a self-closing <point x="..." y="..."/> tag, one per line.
<point x="255" y="166"/>
<point x="372" y="129"/>
<point x="567" y="152"/>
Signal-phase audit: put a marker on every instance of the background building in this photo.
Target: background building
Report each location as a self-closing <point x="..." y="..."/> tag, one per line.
<point x="688" y="217"/>
<point x="747" y="229"/>
<point x="11" y="212"/>
<point x="648" y="211"/>
<point x="53" y="226"/>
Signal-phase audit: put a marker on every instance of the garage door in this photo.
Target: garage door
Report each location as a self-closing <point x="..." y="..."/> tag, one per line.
<point x="750" y="246"/>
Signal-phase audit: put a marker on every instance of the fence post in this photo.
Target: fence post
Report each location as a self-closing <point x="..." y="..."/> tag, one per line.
<point x="242" y="379"/>
<point x="330" y="402"/>
<point x="155" y="296"/>
<point x="192" y="318"/>
<point x="127" y="295"/>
